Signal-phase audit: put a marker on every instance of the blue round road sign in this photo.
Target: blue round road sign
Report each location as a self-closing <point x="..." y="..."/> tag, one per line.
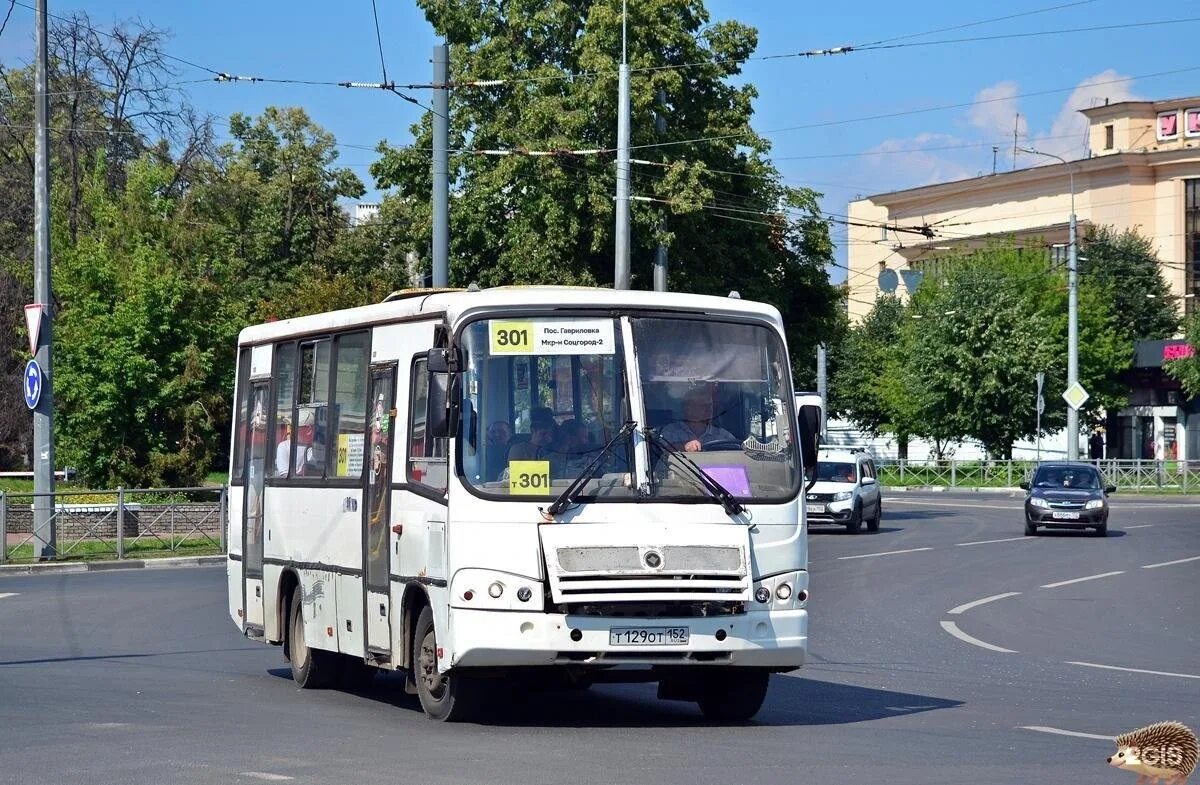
<point x="32" y="384"/>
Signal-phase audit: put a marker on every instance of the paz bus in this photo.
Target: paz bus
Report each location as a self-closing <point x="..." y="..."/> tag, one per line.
<point x="479" y="488"/>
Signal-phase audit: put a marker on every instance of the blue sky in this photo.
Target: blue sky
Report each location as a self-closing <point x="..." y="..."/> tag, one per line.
<point x="856" y="156"/>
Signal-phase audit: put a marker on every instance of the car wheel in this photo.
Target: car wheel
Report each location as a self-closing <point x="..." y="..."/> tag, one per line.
<point x="1030" y="528"/>
<point x="734" y="695"/>
<point x="873" y="523"/>
<point x="311" y="668"/>
<point x="855" y="522"/>
<point x="1102" y="530"/>
<point x="448" y="697"/>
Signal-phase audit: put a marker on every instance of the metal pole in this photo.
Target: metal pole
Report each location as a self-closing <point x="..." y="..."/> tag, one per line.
<point x="660" y="255"/>
<point x="821" y="388"/>
<point x="120" y="523"/>
<point x="45" y="545"/>
<point x="3" y="527"/>
<point x="621" y="236"/>
<point x="441" y="167"/>
<point x="1072" y="333"/>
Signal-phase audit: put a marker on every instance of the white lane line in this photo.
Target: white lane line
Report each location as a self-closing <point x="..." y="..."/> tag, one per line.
<point x="1061" y="732"/>
<point x="1081" y="580"/>
<point x="1144" y="566"/>
<point x="266" y="775"/>
<point x="953" y="629"/>
<point x="1006" y="539"/>
<point x="952" y="504"/>
<point x="7" y="594"/>
<point x="1139" y="526"/>
<point x="1133" y="670"/>
<point x="885" y="553"/>
<point x="969" y="605"/>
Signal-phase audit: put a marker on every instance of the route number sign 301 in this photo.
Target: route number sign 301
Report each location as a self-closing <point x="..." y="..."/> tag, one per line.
<point x="529" y="478"/>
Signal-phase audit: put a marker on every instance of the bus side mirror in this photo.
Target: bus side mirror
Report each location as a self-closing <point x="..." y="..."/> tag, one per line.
<point x="810" y="426"/>
<point x="443" y="404"/>
<point x="442" y="360"/>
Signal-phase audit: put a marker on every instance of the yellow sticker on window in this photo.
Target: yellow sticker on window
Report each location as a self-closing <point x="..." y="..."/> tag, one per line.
<point x="529" y="478"/>
<point x="511" y="337"/>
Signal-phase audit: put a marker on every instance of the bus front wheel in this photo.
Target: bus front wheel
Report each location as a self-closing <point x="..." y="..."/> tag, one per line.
<point x="734" y="694"/>
<point x="447" y="697"/>
<point x="311" y="668"/>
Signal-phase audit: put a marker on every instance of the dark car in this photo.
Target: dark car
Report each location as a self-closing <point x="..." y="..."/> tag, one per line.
<point x="1067" y="496"/>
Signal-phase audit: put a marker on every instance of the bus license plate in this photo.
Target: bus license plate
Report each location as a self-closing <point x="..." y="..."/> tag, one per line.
<point x="648" y="636"/>
<point x="816" y="509"/>
<point x="1065" y="516"/>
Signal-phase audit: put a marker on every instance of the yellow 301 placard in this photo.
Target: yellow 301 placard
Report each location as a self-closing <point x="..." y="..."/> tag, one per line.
<point x="512" y="337"/>
<point x="529" y="478"/>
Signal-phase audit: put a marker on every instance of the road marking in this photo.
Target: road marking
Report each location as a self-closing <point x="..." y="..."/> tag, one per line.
<point x="968" y="606"/>
<point x="1144" y="566"/>
<point x="264" y="775"/>
<point x="1140" y="526"/>
<point x="8" y="594"/>
<point x="1081" y="580"/>
<point x="1133" y="670"/>
<point x="1006" y="539"/>
<point x="1061" y="732"/>
<point x="890" y="500"/>
<point x="953" y="629"/>
<point x="885" y="553"/>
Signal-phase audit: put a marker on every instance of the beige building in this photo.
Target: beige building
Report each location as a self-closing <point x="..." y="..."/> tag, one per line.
<point x="1143" y="172"/>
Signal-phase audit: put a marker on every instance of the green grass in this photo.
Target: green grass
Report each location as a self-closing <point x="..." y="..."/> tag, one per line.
<point x="145" y="548"/>
<point x="216" y="478"/>
<point x="17" y="485"/>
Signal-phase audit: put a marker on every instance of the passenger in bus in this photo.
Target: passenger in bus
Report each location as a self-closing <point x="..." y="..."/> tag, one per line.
<point x="304" y="451"/>
<point x="696" y="431"/>
<point x="499" y="439"/>
<point x="569" y="453"/>
<point x="542" y="433"/>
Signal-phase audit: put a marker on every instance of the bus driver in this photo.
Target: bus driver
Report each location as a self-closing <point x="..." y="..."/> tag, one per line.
<point x="696" y="431"/>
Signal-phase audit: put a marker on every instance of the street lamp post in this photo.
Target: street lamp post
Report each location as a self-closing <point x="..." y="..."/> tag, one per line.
<point x="1072" y="311"/>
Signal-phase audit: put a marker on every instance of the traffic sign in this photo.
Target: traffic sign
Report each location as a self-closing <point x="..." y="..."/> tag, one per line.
<point x="32" y="384"/>
<point x="1041" y="403"/>
<point x="33" y="322"/>
<point x="1076" y="396"/>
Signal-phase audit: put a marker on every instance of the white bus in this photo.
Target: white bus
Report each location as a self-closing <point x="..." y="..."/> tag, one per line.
<point x="477" y="488"/>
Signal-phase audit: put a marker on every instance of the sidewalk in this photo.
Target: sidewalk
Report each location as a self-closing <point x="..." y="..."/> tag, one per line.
<point x="110" y="564"/>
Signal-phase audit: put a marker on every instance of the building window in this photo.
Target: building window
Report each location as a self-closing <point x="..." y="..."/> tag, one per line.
<point x="1108" y="137"/>
<point x="1191" y="122"/>
<point x="1168" y="126"/>
<point x="1191" y="238"/>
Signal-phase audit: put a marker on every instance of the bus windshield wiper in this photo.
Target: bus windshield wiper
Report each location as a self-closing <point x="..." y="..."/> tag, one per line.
<point x="566" y="497"/>
<point x="720" y="493"/>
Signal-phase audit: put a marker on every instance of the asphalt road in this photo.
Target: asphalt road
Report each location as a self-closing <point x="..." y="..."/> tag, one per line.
<point x="139" y="676"/>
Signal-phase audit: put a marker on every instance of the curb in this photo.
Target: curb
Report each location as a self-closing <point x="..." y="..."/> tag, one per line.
<point x="103" y="566"/>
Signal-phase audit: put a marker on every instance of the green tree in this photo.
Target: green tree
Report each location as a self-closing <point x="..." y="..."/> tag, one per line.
<point x="858" y="388"/>
<point x="718" y="204"/>
<point x="1127" y="272"/>
<point x="984" y="327"/>
<point x="1186" y="370"/>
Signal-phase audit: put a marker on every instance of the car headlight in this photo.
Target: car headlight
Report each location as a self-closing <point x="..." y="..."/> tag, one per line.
<point x="1038" y="501"/>
<point x="842" y="496"/>
<point x="1094" y="504"/>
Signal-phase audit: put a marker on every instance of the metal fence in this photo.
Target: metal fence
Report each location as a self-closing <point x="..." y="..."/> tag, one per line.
<point x="120" y="524"/>
<point x="1127" y="475"/>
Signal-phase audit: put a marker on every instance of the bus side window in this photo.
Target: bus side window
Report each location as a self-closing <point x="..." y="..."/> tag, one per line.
<point x="427" y="462"/>
<point x="283" y="433"/>
<point x="311" y="429"/>
<point x="243" y="417"/>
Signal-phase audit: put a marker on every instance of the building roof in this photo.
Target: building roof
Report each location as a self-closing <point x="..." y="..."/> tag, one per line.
<point x="1124" y="107"/>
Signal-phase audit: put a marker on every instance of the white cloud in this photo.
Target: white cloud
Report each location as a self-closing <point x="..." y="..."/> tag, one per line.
<point x="995" y="109"/>
<point x="1068" y="133"/>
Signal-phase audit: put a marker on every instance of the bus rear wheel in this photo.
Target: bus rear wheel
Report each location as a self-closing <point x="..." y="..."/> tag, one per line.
<point x="311" y="668"/>
<point x="734" y="694"/>
<point x="446" y="697"/>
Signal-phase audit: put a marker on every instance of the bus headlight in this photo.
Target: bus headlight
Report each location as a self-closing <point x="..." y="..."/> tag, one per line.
<point x="495" y="590"/>
<point x="784" y="591"/>
<point x="762" y="594"/>
<point x="482" y="589"/>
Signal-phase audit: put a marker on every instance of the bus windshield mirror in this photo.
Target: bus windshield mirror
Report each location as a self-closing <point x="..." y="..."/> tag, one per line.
<point x="565" y="498"/>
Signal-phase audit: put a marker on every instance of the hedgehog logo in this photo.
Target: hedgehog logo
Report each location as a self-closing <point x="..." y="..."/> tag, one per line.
<point x="1163" y="752"/>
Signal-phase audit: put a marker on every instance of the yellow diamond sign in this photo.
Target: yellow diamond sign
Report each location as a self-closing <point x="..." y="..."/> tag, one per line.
<point x="1076" y="396"/>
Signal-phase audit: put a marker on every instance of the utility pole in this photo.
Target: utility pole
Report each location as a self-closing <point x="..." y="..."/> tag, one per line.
<point x="441" y="166"/>
<point x="621" y="235"/>
<point x="822" y="388"/>
<point x="44" y="539"/>
<point x="1072" y="311"/>
<point x="660" y="255"/>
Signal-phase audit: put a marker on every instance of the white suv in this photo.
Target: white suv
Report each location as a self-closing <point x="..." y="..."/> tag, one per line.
<point x="846" y="491"/>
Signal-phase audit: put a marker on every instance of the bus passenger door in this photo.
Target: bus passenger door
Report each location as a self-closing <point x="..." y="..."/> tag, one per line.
<point x="252" y="509"/>
<point x="377" y="519"/>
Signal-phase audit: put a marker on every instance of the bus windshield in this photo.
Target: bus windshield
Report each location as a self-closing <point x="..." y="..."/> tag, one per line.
<point x="540" y="397"/>
<point x="719" y="392"/>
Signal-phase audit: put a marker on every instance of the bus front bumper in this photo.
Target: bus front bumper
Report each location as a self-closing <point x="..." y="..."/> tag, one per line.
<point x="774" y="639"/>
